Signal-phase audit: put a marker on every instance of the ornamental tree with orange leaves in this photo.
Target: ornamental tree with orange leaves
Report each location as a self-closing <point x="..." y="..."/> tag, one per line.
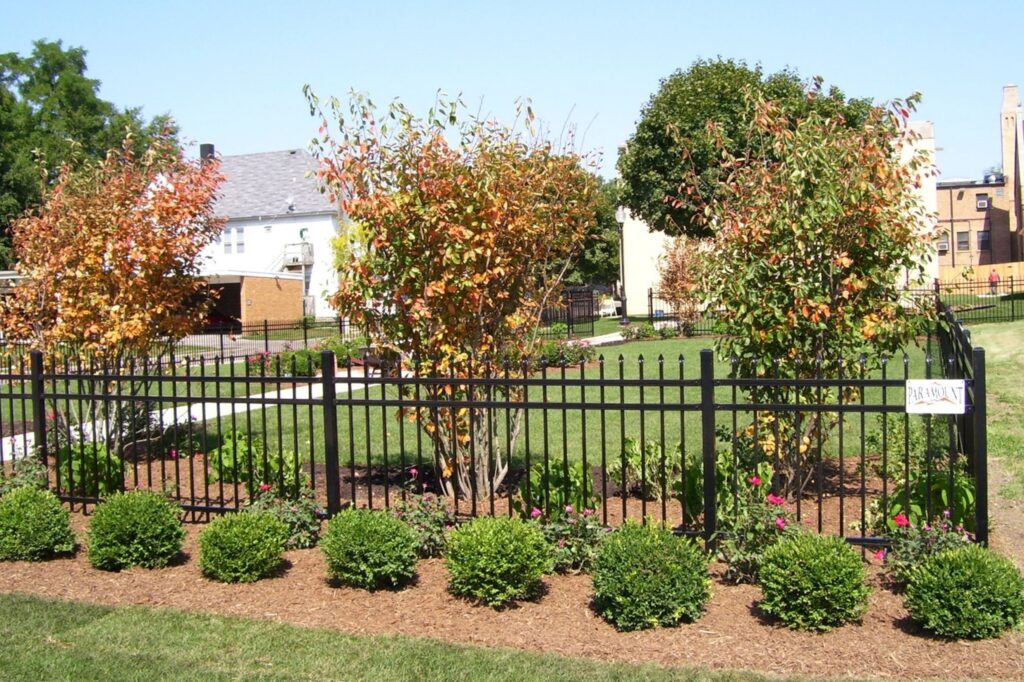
<point x="817" y="236"/>
<point x="458" y="232"/>
<point x="110" y="260"/>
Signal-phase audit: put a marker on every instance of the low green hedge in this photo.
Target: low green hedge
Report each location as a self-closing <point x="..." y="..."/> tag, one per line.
<point x="33" y="526"/>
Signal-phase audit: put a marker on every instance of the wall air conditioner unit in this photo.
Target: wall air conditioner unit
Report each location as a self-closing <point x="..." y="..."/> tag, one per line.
<point x="982" y="204"/>
<point x="942" y="244"/>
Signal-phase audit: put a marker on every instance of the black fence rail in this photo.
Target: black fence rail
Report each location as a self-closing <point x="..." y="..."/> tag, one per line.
<point x="267" y="336"/>
<point x="678" y="439"/>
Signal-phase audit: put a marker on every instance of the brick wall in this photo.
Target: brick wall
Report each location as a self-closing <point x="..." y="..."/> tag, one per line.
<point x="271" y="298"/>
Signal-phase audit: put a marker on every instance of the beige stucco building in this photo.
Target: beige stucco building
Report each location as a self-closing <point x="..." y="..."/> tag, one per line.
<point x="979" y="221"/>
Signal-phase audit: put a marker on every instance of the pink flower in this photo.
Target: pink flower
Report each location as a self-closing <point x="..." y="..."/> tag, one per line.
<point x="775" y="499"/>
<point x="561" y="542"/>
<point x="754" y="481"/>
<point x="947" y="513"/>
<point x="588" y="512"/>
<point x="413" y="472"/>
<point x="536" y="512"/>
<point x="901" y="520"/>
<point x="880" y="555"/>
<point x="780" y="523"/>
<point x="264" y="487"/>
<point x="568" y="509"/>
<point x="174" y="453"/>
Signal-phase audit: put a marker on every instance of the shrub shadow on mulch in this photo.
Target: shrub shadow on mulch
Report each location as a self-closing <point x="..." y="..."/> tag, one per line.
<point x="536" y="596"/>
<point x="336" y="583"/>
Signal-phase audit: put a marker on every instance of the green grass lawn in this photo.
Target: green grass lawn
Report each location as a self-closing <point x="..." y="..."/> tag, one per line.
<point x="1004" y="367"/>
<point x="53" y="640"/>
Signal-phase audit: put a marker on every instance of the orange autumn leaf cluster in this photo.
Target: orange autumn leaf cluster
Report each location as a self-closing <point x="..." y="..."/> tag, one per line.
<point x="110" y="260"/>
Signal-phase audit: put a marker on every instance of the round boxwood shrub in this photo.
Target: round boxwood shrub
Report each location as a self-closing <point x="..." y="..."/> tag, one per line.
<point x="242" y="548"/>
<point x="33" y="526"/>
<point x="967" y="593"/>
<point x="645" y="576"/>
<point x="137" y="528"/>
<point x="369" y="549"/>
<point x="813" y="582"/>
<point x="497" y="560"/>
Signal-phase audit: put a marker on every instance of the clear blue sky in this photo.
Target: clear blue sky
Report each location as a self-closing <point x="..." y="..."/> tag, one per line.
<point x="231" y="73"/>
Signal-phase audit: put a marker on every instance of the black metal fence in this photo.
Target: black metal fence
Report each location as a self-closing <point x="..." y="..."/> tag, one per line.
<point x="660" y="310"/>
<point x="980" y="302"/>
<point x="675" y="439"/>
<point x="573" y="317"/>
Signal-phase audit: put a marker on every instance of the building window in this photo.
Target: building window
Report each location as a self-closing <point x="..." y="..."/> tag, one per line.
<point x="240" y="239"/>
<point x="234" y="239"/>
<point x="963" y="241"/>
<point x="984" y="240"/>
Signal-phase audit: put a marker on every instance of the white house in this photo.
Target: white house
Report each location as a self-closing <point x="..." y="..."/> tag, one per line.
<point x="279" y="227"/>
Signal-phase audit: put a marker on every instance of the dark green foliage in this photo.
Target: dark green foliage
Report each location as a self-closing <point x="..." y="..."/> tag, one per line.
<point x="912" y="544"/>
<point x="33" y="525"/>
<point x="430" y="519"/>
<point x="564" y="352"/>
<point x="243" y="458"/>
<point x="497" y="560"/>
<point x="89" y="470"/>
<point x="137" y="528"/>
<point x="303" y="362"/>
<point x="672" y="139"/>
<point x="555" y="489"/>
<point x="599" y="261"/>
<point x="966" y="593"/>
<point x="645" y="576"/>
<point x="369" y="549"/>
<point x="575" y="536"/>
<point x="933" y="494"/>
<point x="242" y="548"/>
<point x="747" y="535"/>
<point x="27" y="472"/>
<point x="813" y="582"/>
<point x="49" y="107"/>
<point x="299" y="514"/>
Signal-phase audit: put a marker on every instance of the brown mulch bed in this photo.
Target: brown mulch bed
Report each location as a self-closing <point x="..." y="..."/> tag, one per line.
<point x="732" y="634"/>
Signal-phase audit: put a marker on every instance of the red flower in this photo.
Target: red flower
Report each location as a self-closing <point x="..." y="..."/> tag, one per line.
<point x="264" y="487"/>
<point x="775" y="499"/>
<point x="754" y="481"/>
<point x="901" y="520"/>
<point x="780" y="523"/>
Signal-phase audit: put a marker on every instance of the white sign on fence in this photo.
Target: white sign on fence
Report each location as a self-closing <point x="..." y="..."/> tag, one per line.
<point x="936" y="396"/>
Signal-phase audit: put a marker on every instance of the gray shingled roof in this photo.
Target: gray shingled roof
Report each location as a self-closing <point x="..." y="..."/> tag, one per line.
<point x="263" y="184"/>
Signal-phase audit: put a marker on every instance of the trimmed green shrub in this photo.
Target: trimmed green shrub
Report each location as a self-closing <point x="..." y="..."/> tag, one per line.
<point x="33" y="525"/>
<point x="813" y="582"/>
<point x="967" y="593"/>
<point x="89" y="470"/>
<point x="242" y="548"/>
<point x="911" y="544"/>
<point x="137" y="528"/>
<point x="497" y="560"/>
<point x="645" y="576"/>
<point x="369" y="549"/>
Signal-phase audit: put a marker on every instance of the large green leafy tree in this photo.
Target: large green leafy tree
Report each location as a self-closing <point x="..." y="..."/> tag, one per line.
<point x="672" y="140"/>
<point x="48" y="107"/>
<point x="598" y="263"/>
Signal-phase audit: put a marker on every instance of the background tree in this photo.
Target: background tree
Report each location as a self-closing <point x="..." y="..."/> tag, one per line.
<point x="680" y="277"/>
<point x="51" y="113"/>
<point x="598" y="262"/>
<point x="459" y="233"/>
<point x="816" y="236"/>
<point x="671" y="141"/>
<point x="110" y="260"/>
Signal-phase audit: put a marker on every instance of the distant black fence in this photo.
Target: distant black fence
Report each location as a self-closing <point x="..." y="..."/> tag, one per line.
<point x="268" y="336"/>
<point x="652" y="438"/>
<point x="660" y="310"/>
<point x="572" y="317"/>
<point x="980" y="302"/>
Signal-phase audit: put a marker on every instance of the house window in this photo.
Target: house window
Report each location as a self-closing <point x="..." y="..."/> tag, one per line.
<point x="984" y="240"/>
<point x="234" y="239"/>
<point x="963" y="241"/>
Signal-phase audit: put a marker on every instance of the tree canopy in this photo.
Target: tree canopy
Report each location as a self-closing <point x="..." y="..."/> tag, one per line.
<point x="51" y="113"/>
<point x="598" y="263"/>
<point x="672" y="141"/>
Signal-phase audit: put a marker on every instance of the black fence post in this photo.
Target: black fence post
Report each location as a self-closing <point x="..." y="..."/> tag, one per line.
<point x="1013" y="303"/>
<point x="220" y="337"/>
<point x="305" y="334"/>
<point x="266" y="337"/>
<point x="980" y="447"/>
<point x="650" y="305"/>
<point x="38" y="409"/>
<point x="707" y="409"/>
<point x="332" y="480"/>
<point x="568" y="313"/>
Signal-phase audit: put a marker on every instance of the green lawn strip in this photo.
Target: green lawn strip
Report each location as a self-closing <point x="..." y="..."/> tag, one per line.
<point x="977" y="309"/>
<point x="373" y="436"/>
<point x="1004" y="367"/>
<point x="56" y="640"/>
